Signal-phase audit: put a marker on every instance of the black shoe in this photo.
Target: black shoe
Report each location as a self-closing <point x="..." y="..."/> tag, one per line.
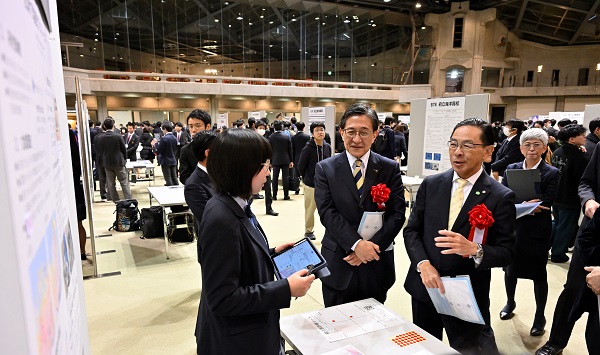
<point x="83" y="257"/>
<point x="310" y="236"/>
<point x="297" y="192"/>
<point x="274" y="198"/>
<point x="507" y="311"/>
<point x="559" y="260"/>
<point x="272" y="213"/>
<point x="538" y="327"/>
<point x="258" y="196"/>
<point x="286" y="198"/>
<point x="548" y="349"/>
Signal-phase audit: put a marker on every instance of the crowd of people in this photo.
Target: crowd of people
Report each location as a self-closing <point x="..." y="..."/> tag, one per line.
<point x="241" y="299"/>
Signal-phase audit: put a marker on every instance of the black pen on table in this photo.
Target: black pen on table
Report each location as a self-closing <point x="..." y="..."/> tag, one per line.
<point x="310" y="269"/>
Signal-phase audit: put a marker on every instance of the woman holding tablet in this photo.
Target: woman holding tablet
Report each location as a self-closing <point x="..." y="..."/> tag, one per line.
<point x="240" y="300"/>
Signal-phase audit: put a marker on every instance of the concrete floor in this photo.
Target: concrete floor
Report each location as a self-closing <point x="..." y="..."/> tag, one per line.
<point x="151" y="307"/>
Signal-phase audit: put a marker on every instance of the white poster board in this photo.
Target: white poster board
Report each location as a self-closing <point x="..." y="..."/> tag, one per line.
<point x="42" y="307"/>
<point x="591" y="112"/>
<point x="578" y="116"/>
<point x="222" y="120"/>
<point x="325" y="114"/>
<point x="423" y="116"/>
<point x="257" y="115"/>
<point x="382" y="115"/>
<point x="441" y="116"/>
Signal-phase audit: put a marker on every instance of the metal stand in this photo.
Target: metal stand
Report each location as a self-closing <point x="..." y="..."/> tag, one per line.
<point x="88" y="177"/>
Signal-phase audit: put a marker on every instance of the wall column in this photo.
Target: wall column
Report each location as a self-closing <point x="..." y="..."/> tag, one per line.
<point x="214" y="108"/>
<point x="102" y="108"/>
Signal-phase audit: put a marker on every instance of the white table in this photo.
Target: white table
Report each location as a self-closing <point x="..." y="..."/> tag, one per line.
<point x="167" y="196"/>
<point x="141" y="164"/>
<point x="306" y="339"/>
<point x="412" y="185"/>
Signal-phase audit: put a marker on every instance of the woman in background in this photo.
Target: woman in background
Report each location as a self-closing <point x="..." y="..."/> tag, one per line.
<point x="240" y="301"/>
<point x="533" y="231"/>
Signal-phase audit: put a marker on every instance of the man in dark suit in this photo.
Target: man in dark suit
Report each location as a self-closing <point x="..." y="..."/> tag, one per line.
<point x="359" y="268"/>
<point x="197" y="121"/>
<point x="565" y="313"/>
<point x="510" y="151"/>
<point x="299" y="141"/>
<point x="132" y="141"/>
<point x="166" y="149"/>
<point x="282" y="159"/>
<point x="261" y="129"/>
<point x="182" y="136"/>
<point x="199" y="188"/>
<point x="438" y="227"/>
<point x="110" y="150"/>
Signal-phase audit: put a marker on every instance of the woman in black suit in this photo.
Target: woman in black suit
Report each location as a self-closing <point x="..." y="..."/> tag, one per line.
<point x="146" y="141"/>
<point x="240" y="300"/>
<point x="509" y="152"/>
<point x="533" y="231"/>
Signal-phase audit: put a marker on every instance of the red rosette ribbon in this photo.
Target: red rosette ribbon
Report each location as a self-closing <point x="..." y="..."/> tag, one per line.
<point x="480" y="218"/>
<point x="380" y="194"/>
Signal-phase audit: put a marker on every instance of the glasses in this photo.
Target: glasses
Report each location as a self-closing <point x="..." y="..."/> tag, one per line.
<point x="319" y="130"/>
<point x="352" y="133"/>
<point x="453" y="145"/>
<point x="535" y="146"/>
<point x="198" y="125"/>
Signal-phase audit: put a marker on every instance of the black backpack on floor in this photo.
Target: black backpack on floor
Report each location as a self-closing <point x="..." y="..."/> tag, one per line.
<point x="127" y="216"/>
<point x="180" y="225"/>
<point x="152" y="223"/>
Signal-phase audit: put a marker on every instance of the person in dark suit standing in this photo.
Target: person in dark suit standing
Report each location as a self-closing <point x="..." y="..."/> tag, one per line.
<point x="261" y="129"/>
<point x="533" y="231"/>
<point x="197" y="121"/>
<point x="240" y="300"/>
<point x="592" y="139"/>
<point x="568" y="308"/>
<point x="198" y="188"/>
<point x="299" y="141"/>
<point x="182" y="136"/>
<point x="282" y="159"/>
<point x="132" y="142"/>
<point x="438" y="227"/>
<point x="166" y="148"/>
<point x="359" y="268"/>
<point x="509" y="152"/>
<point x="110" y="150"/>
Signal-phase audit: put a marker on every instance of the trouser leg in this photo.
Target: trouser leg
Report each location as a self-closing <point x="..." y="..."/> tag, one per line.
<point x="309" y="209"/>
<point x="124" y="181"/>
<point x="286" y="180"/>
<point x="110" y="184"/>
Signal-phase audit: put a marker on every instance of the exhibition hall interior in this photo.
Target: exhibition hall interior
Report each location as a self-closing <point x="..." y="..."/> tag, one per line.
<point x="150" y="65"/>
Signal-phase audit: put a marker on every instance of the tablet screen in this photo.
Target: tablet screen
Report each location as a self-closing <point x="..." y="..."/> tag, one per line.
<point x="297" y="258"/>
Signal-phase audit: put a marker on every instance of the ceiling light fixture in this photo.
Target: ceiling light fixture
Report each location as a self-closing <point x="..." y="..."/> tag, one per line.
<point x="240" y="17"/>
<point x="418" y="5"/>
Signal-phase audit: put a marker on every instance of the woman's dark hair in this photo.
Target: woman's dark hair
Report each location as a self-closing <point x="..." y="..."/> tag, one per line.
<point x="516" y="123"/>
<point x="237" y="156"/>
<point x="201" y="143"/>
<point x="360" y="109"/>
<point x="572" y="130"/>
<point x="487" y="132"/>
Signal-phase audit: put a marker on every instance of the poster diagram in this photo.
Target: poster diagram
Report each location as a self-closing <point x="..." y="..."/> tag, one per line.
<point x="441" y="116"/>
<point x="352" y="319"/>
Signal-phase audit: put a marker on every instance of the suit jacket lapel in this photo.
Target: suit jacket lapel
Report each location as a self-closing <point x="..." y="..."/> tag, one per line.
<point x="254" y="233"/>
<point x="373" y="170"/>
<point x="345" y="175"/>
<point x="444" y="192"/>
<point x="479" y="192"/>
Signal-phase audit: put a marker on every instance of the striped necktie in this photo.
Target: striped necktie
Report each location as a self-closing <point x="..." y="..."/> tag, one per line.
<point x="456" y="202"/>
<point x="358" y="176"/>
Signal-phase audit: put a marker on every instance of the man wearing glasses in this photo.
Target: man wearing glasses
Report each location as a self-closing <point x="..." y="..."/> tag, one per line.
<point x="437" y="231"/>
<point x="359" y="268"/>
<point x="197" y="121"/>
